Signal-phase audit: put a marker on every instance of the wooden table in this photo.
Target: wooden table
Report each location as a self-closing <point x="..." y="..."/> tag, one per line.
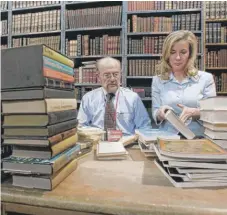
<point x="134" y="186"/>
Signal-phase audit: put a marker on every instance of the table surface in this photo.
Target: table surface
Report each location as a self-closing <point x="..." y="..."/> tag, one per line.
<point x="133" y="186"/>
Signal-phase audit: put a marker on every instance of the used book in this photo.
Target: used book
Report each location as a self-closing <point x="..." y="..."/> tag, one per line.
<point x="179" y="125"/>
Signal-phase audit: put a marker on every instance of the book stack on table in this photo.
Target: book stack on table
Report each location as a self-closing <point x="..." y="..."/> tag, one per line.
<point x="192" y="163"/>
<point x="213" y="113"/>
<point x="40" y="116"/>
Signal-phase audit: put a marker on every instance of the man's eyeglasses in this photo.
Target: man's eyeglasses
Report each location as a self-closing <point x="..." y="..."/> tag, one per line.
<point x="109" y="75"/>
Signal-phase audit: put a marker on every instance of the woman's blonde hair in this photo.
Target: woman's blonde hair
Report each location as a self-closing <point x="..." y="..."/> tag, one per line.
<point x="164" y="69"/>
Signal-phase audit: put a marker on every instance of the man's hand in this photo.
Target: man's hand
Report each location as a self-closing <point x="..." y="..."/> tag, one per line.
<point x="161" y="112"/>
<point x="188" y="113"/>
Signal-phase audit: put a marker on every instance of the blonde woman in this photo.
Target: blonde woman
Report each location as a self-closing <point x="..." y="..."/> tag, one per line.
<point x="179" y="85"/>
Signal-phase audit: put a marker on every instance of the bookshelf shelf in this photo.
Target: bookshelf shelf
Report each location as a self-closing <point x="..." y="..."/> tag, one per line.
<point x="94" y="56"/>
<point x="37" y="8"/>
<point x="6" y="35"/>
<point x="154" y="33"/>
<point x="165" y="11"/>
<point x="139" y="77"/>
<point x="222" y="93"/>
<point x="80" y="2"/>
<point x="4" y="11"/>
<point x="216" y="68"/>
<point x="37" y="33"/>
<point x="216" y="44"/>
<point x="143" y="55"/>
<point x="86" y="84"/>
<point x="216" y="20"/>
<point x="103" y="28"/>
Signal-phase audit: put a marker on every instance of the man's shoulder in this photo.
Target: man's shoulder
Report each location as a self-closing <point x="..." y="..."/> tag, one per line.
<point x="127" y="92"/>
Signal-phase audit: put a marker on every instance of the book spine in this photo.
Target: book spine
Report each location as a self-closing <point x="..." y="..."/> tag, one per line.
<point x="59" y="137"/>
<point x="54" y="105"/>
<point x="57" y="66"/>
<point x="56" y="56"/>
<point x="61" y="127"/>
<point x="64" y="144"/>
<point x="61" y="116"/>
<point x="50" y="73"/>
<point x="65" y="157"/>
<point x="63" y="173"/>
<point x="59" y="84"/>
<point x="54" y="93"/>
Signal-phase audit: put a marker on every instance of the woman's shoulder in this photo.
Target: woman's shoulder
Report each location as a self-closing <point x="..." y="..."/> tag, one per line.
<point x="205" y="75"/>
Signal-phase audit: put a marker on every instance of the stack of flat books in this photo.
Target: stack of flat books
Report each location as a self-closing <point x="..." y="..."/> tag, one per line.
<point x="111" y="151"/>
<point x="148" y="137"/>
<point x="40" y="116"/>
<point x="213" y="113"/>
<point x="192" y="163"/>
<point x="5" y="152"/>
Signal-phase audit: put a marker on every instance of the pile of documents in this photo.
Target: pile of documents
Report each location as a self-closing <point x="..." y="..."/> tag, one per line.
<point x="213" y="113"/>
<point x="192" y="163"/>
<point x="148" y="137"/>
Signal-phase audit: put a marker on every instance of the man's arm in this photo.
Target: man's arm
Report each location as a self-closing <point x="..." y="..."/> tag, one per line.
<point x="142" y="119"/>
<point x="84" y="116"/>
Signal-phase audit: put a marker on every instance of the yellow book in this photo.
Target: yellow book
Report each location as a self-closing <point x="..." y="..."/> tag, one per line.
<point x="197" y="149"/>
<point x="48" y="52"/>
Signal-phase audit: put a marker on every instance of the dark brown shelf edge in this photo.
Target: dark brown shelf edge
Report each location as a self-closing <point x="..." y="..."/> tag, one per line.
<point x="216" y="68"/>
<point x="216" y="44"/>
<point x="216" y="20"/>
<point x="140" y="77"/>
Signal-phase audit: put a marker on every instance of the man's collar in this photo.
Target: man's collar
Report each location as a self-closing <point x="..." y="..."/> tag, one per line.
<point x="105" y="92"/>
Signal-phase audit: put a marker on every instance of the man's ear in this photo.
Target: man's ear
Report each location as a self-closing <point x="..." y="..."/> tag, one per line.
<point x="98" y="77"/>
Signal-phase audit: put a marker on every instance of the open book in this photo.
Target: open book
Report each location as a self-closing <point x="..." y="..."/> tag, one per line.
<point x="179" y="125"/>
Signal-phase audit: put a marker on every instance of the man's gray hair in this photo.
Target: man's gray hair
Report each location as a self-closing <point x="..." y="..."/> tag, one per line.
<point x="107" y="63"/>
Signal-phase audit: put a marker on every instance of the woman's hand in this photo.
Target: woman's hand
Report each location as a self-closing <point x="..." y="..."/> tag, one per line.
<point x="161" y="112"/>
<point x="188" y="113"/>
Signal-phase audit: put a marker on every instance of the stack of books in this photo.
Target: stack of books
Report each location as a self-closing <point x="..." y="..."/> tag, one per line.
<point x="40" y="116"/>
<point x="192" y="163"/>
<point x="111" y="151"/>
<point x="213" y="113"/>
<point x="5" y="152"/>
<point x="148" y="137"/>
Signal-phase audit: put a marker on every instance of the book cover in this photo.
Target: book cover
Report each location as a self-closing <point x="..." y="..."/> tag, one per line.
<point x="200" y="148"/>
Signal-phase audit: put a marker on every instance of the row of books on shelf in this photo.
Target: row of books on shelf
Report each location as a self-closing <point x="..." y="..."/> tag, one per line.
<point x="81" y="91"/>
<point x="24" y="4"/>
<point x="51" y="41"/>
<point x="216" y="9"/>
<point x="150" y="44"/>
<point x="36" y="22"/>
<point x="162" y="5"/>
<point x="220" y="82"/>
<point x="139" y="23"/>
<point x="142" y="67"/>
<point x="3" y="5"/>
<point x="4" y="27"/>
<point x="4" y="46"/>
<point x="93" y="45"/>
<point x="143" y="92"/>
<point x="216" y="33"/>
<point x="86" y="75"/>
<point x="216" y="58"/>
<point x="93" y="17"/>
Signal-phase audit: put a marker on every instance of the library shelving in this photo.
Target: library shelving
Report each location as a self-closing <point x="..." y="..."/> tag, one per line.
<point x="216" y="43"/>
<point x="131" y="31"/>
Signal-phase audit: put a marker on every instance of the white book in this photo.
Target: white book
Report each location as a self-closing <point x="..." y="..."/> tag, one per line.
<point x="179" y="125"/>
<point x="105" y="148"/>
<point x="214" y="103"/>
<point x="190" y="184"/>
<point x="198" y="170"/>
<point x="220" y="135"/>
<point x="215" y="126"/>
<point x="214" y="117"/>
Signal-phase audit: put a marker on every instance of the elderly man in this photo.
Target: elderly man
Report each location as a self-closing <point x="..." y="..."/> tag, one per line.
<point x="112" y="106"/>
